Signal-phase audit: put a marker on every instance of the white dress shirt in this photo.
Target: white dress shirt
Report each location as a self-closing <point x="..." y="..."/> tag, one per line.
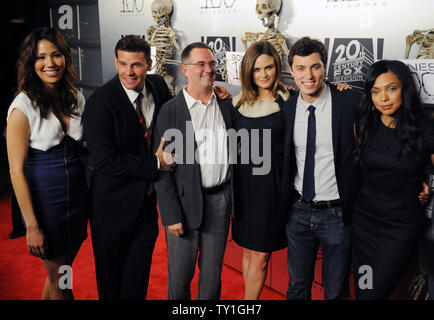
<point x="47" y="133"/>
<point x="325" y="177"/>
<point x="211" y="139"/>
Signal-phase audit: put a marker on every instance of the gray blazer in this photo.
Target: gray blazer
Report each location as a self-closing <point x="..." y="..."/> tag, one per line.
<point x="179" y="192"/>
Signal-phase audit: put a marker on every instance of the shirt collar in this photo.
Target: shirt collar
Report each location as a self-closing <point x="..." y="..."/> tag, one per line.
<point x="192" y="101"/>
<point x="132" y="94"/>
<point x="319" y="103"/>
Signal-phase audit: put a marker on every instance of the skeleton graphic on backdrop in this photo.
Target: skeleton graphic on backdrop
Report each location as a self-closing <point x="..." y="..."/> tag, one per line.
<point x="425" y="40"/>
<point x="163" y="38"/>
<point x="267" y="11"/>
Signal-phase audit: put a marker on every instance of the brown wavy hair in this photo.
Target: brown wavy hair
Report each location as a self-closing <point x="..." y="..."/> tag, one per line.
<point x="64" y="100"/>
<point x="249" y="90"/>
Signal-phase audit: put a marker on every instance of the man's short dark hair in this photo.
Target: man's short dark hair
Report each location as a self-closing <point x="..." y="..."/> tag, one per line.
<point x="305" y="47"/>
<point x="185" y="55"/>
<point x="133" y="43"/>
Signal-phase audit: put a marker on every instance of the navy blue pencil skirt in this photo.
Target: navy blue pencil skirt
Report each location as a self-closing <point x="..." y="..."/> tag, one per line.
<point x="59" y="194"/>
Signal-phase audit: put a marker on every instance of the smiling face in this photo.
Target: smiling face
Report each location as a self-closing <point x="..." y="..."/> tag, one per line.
<point x="200" y="70"/>
<point x="132" y="68"/>
<point x="386" y="94"/>
<point x="264" y="72"/>
<point x="308" y="72"/>
<point x="49" y="64"/>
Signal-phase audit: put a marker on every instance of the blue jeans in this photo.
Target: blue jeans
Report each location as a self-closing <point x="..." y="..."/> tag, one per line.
<point x="306" y="229"/>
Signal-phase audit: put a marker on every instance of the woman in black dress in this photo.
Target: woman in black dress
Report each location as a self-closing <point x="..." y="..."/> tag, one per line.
<point x="43" y="133"/>
<point x="394" y="148"/>
<point x="257" y="225"/>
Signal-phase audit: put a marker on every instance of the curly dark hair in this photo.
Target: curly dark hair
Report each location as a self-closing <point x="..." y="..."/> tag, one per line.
<point x="64" y="101"/>
<point x="407" y="118"/>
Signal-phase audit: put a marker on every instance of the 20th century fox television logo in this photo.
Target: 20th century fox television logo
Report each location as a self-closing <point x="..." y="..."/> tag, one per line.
<point x="350" y="59"/>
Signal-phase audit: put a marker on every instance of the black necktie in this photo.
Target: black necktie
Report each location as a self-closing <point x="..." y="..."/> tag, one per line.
<point x="309" y="164"/>
<point x="142" y="121"/>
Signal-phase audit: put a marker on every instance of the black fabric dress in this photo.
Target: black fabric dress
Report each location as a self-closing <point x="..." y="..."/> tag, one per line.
<point x="257" y="224"/>
<point x="388" y="215"/>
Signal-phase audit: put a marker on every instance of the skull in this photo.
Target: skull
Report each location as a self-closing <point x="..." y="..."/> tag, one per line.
<point x="267" y="11"/>
<point x="161" y="11"/>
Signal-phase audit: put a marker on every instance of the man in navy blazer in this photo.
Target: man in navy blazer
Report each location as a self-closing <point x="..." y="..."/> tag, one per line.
<point x="118" y="125"/>
<point x="320" y="177"/>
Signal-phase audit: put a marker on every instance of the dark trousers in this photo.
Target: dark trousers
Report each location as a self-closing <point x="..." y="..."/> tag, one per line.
<point x="206" y="245"/>
<point x="306" y="229"/>
<point x="123" y="258"/>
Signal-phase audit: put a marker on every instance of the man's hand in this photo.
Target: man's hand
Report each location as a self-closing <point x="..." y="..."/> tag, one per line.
<point x="167" y="160"/>
<point x="425" y="193"/>
<point x="176" y="229"/>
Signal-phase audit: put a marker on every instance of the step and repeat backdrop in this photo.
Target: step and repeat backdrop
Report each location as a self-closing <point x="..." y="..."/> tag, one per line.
<point x="356" y="32"/>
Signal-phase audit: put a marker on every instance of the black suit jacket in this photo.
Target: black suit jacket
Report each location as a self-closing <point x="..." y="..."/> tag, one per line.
<point x="344" y="105"/>
<point x="179" y="193"/>
<point x="123" y="165"/>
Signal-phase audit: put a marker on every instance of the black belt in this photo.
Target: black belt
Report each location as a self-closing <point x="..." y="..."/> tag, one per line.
<point x="216" y="189"/>
<point x="318" y="204"/>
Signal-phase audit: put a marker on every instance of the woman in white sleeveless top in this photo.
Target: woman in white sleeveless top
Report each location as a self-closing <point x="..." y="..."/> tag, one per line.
<point x="43" y="142"/>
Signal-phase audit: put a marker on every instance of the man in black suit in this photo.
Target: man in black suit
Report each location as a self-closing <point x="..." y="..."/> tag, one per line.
<point x="195" y="199"/>
<point x="320" y="176"/>
<point x="118" y="124"/>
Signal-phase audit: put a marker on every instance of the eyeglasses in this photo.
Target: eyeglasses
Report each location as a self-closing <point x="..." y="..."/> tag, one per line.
<point x="201" y="64"/>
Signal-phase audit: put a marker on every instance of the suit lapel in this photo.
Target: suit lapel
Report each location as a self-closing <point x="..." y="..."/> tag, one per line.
<point x="151" y="88"/>
<point x="336" y="118"/>
<point x="184" y="113"/>
<point x="182" y="119"/>
<point x="289" y="122"/>
<point x="126" y="103"/>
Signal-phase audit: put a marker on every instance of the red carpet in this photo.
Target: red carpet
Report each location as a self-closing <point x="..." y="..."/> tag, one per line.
<point x="22" y="276"/>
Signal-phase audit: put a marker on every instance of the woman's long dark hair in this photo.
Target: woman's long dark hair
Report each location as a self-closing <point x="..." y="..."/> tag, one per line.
<point x="64" y="101"/>
<point x="407" y="118"/>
